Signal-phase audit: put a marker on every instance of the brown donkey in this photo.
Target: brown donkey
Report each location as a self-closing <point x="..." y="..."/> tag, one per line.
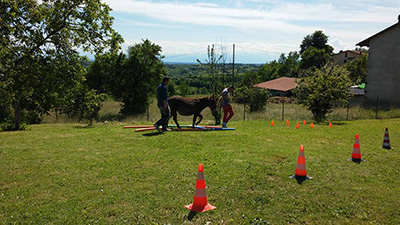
<point x="191" y="106"/>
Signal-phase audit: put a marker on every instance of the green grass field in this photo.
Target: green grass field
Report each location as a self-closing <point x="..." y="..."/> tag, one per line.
<point x="71" y="174"/>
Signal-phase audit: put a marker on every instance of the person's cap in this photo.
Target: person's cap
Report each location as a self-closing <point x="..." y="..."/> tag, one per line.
<point x="231" y="86"/>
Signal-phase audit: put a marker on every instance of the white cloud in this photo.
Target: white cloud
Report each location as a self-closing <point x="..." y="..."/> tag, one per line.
<point x="211" y="14"/>
<point x="264" y="25"/>
<point x="135" y="23"/>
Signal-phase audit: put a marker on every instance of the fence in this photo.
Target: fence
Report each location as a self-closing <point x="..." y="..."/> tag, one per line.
<point x="272" y="111"/>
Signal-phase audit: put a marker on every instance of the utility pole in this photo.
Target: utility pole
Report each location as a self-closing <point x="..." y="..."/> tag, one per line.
<point x="233" y="65"/>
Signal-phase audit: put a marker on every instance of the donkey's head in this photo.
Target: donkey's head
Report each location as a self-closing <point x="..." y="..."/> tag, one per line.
<point x="212" y="104"/>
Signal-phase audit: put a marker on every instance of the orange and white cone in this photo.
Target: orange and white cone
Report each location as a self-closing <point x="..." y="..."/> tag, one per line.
<point x="304" y="122"/>
<point x="297" y="125"/>
<point x="386" y="142"/>
<point x="301" y="172"/>
<point x="330" y="124"/>
<point x="287" y="122"/>
<point x="272" y="123"/>
<point x="200" y="202"/>
<point x="312" y="125"/>
<point x="356" y="155"/>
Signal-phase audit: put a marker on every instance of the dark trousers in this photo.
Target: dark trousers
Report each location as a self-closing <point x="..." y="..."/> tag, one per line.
<point x="165" y="114"/>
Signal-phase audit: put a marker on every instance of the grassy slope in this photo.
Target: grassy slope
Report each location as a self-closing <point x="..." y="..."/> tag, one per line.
<point x="65" y="173"/>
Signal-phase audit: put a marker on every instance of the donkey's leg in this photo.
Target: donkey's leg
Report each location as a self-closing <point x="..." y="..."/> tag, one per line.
<point x="200" y="118"/>
<point x="194" y="120"/>
<point x="175" y="115"/>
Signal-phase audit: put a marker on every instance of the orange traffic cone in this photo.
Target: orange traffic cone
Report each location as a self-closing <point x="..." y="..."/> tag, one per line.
<point x="330" y="124"/>
<point x="312" y="125"/>
<point x="356" y="155"/>
<point x="386" y="142"/>
<point x="297" y="125"/>
<point x="301" y="172"/>
<point x="272" y="123"/>
<point x="200" y="202"/>
<point x="304" y="122"/>
<point x="287" y="122"/>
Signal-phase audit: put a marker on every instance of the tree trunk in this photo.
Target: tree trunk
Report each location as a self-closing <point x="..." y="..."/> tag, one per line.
<point x="17" y="115"/>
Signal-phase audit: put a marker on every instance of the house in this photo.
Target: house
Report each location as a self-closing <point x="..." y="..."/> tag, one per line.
<point x="343" y="57"/>
<point x="383" y="72"/>
<point x="279" y="87"/>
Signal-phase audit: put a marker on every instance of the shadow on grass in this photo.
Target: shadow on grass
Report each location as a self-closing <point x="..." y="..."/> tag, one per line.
<point x="336" y="123"/>
<point x="113" y="117"/>
<point x="152" y="134"/>
<point x="301" y="179"/>
<point x="83" y="127"/>
<point x="191" y="215"/>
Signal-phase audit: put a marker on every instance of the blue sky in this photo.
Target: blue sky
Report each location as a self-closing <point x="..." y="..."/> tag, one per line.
<point x="260" y="29"/>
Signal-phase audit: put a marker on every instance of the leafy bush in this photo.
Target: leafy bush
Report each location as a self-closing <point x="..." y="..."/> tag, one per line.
<point x="9" y="125"/>
<point x="327" y="87"/>
<point x="255" y="97"/>
<point x="30" y="117"/>
<point x="83" y="104"/>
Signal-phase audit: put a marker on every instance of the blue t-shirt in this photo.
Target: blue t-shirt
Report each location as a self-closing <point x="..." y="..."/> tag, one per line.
<point x="162" y="94"/>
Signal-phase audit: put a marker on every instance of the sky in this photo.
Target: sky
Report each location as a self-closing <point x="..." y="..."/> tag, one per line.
<point x="260" y="29"/>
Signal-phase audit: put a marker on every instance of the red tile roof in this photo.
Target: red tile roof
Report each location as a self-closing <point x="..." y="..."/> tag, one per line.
<point x="280" y="84"/>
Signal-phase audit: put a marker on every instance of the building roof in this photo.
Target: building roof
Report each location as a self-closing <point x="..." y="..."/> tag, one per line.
<point x="353" y="51"/>
<point x="366" y="41"/>
<point x="280" y="84"/>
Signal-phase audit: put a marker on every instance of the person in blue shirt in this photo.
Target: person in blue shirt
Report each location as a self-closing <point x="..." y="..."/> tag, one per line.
<point x="162" y="103"/>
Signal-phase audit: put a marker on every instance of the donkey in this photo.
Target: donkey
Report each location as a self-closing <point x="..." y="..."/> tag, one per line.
<point x="191" y="106"/>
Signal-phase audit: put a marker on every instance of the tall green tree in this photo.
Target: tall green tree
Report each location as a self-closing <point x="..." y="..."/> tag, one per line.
<point x="317" y="40"/>
<point x="140" y="74"/>
<point x="211" y="63"/>
<point x="290" y="64"/>
<point x="285" y="66"/>
<point x="269" y="71"/>
<point x="255" y="97"/>
<point x="314" y="58"/>
<point x="102" y="72"/>
<point x="327" y="87"/>
<point x="315" y="50"/>
<point x="39" y="43"/>
<point x="358" y="69"/>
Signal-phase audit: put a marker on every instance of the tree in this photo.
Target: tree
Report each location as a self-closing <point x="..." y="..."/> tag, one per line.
<point x="171" y="89"/>
<point x="249" y="79"/>
<point x="184" y="89"/>
<point x="358" y="69"/>
<point x="285" y="66"/>
<point x="83" y="103"/>
<point x="317" y="40"/>
<point x="140" y="74"/>
<point x="290" y="64"/>
<point x="211" y="63"/>
<point x="255" y="97"/>
<point x="329" y="86"/>
<point x="102" y="72"/>
<point x="314" y="58"/>
<point x="39" y="42"/>
<point x="269" y="71"/>
<point x="314" y="50"/>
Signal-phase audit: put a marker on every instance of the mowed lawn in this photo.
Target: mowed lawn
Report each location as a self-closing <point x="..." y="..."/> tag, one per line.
<point x="70" y="174"/>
